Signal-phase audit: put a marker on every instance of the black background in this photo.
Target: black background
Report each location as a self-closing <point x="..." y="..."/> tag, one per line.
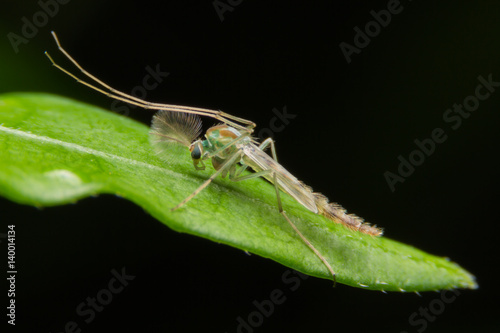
<point x="352" y="122"/>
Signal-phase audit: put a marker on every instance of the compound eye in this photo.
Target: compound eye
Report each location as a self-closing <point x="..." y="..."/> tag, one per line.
<point x="196" y="152"/>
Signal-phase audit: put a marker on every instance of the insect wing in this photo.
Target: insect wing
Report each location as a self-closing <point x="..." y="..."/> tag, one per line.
<point x="260" y="161"/>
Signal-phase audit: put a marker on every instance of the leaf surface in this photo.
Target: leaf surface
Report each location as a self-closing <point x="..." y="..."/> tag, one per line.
<point x="55" y="151"/>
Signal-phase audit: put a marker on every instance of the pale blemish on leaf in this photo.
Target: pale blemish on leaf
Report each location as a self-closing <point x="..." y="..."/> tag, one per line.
<point x="63" y="177"/>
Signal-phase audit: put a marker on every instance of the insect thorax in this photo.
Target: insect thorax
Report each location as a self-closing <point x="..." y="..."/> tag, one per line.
<point x="218" y="137"/>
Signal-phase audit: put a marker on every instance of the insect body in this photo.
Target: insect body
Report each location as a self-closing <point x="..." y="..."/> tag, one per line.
<point x="232" y="152"/>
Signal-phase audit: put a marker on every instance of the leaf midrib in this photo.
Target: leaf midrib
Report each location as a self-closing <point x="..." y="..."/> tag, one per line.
<point x="91" y="151"/>
<point x="80" y="148"/>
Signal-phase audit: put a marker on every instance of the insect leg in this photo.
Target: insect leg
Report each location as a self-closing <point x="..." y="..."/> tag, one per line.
<point x="226" y="165"/>
<point x="116" y="94"/>
<point x="304" y="239"/>
<point x="262" y="146"/>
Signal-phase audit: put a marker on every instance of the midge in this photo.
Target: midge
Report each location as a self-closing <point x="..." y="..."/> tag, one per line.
<point x="232" y="152"/>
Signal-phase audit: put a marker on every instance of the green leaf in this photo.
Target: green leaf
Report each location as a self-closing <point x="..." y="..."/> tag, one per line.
<point x="55" y="151"/>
